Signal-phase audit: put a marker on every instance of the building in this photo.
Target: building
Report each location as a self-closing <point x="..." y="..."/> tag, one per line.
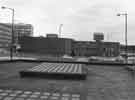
<point x="110" y="49"/>
<point x="53" y="45"/>
<point x="19" y="30"/>
<point x="52" y="36"/>
<point x="97" y="47"/>
<point x="23" y="29"/>
<point x="94" y="48"/>
<point x="130" y="50"/>
<point x="84" y="48"/>
<point x="46" y="45"/>
<point x="98" y="36"/>
<point x="61" y="46"/>
<point x="5" y="35"/>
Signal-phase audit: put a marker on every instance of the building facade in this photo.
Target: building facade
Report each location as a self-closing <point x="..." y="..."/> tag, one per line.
<point x="46" y="45"/>
<point x="84" y="48"/>
<point x="19" y="30"/>
<point x="60" y="46"/>
<point x="130" y="50"/>
<point x="5" y="35"/>
<point x="23" y="29"/>
<point x="96" y="48"/>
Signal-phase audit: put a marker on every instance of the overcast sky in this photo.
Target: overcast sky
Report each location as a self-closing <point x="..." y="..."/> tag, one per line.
<point x="80" y="18"/>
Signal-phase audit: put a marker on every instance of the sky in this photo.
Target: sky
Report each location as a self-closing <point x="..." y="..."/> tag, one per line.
<point x="80" y="18"/>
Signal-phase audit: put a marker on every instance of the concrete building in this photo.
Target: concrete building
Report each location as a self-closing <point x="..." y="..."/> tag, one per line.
<point x="5" y="35"/>
<point x="130" y="50"/>
<point x="110" y="49"/>
<point x="98" y="36"/>
<point x="46" y="45"/>
<point x="94" y="48"/>
<point x="54" y="45"/>
<point x="52" y="36"/>
<point x="61" y="46"/>
<point x="19" y="30"/>
<point x="97" y="47"/>
<point x="23" y="29"/>
<point x="84" y="48"/>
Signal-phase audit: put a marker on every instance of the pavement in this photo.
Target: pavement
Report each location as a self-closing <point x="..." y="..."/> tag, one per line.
<point x="110" y="83"/>
<point x="103" y="82"/>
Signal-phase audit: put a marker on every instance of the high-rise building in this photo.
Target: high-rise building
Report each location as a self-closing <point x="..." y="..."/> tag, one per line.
<point x="23" y="29"/>
<point x="19" y="30"/>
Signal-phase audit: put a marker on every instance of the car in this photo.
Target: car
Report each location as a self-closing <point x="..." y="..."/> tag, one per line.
<point x="120" y="59"/>
<point x="67" y="56"/>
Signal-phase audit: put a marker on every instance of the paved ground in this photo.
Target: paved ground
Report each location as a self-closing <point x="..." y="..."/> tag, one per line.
<point x="9" y="77"/>
<point x="103" y="82"/>
<point x="110" y="83"/>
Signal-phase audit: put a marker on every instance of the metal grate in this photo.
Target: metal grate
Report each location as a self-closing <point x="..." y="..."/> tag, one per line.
<point x="10" y="94"/>
<point x="58" y="67"/>
<point x="56" y="71"/>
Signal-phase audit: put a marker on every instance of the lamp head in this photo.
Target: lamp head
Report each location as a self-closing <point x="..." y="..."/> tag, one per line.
<point x="61" y="24"/>
<point x="3" y="7"/>
<point x="118" y="14"/>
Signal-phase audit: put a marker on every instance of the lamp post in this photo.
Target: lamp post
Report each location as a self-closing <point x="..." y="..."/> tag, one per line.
<point x="12" y="35"/>
<point x="60" y="27"/>
<point x="126" y="43"/>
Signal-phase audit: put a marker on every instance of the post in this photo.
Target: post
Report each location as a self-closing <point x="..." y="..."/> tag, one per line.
<point x="126" y="49"/>
<point x="12" y="39"/>
<point x="126" y="43"/>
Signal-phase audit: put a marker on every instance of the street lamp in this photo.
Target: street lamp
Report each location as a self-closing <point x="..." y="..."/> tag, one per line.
<point x="60" y="27"/>
<point x="12" y="37"/>
<point x="126" y="43"/>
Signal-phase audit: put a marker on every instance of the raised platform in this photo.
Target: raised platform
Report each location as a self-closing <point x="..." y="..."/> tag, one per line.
<point x="56" y="71"/>
<point x="11" y="94"/>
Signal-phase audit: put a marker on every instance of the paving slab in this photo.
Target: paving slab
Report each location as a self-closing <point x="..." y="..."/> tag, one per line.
<point x="38" y="95"/>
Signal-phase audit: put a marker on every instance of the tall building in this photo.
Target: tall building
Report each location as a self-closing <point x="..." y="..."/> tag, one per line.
<point x="23" y="29"/>
<point x="19" y="30"/>
<point x="5" y="35"/>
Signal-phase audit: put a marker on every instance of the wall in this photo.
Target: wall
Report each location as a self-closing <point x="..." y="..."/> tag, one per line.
<point x="54" y="46"/>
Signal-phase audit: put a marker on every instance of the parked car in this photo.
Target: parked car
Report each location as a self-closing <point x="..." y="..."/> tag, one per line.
<point x="120" y="59"/>
<point x="67" y="56"/>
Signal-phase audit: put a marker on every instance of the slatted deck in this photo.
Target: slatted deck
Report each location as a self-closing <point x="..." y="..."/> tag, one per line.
<point x="11" y="94"/>
<point x="56" y="70"/>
